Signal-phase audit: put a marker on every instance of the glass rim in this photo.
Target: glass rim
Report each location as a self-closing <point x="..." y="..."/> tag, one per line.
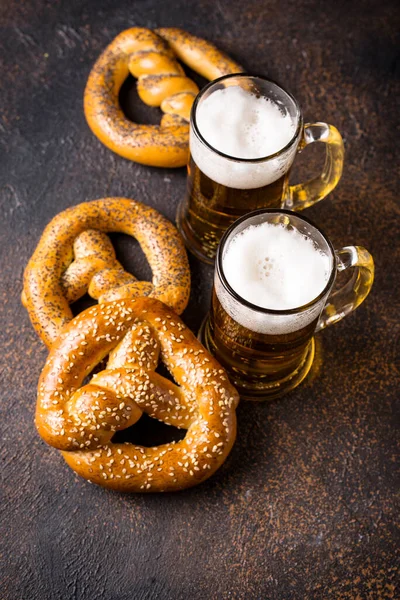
<point x="196" y="130"/>
<point x="261" y="309"/>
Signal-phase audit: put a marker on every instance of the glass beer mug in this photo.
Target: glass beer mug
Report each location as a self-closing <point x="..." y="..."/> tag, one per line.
<point x="244" y="135"/>
<point x="273" y="283"/>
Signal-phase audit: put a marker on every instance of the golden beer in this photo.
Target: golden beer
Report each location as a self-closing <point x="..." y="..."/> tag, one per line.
<point x="256" y="361"/>
<point x="213" y="207"/>
<point x="244" y="135"/>
<point x="272" y="291"/>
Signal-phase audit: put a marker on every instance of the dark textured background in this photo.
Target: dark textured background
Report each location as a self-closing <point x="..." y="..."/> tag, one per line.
<point x="305" y="505"/>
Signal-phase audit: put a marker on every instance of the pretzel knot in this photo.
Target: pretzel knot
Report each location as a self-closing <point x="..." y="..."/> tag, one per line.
<point x="151" y="57"/>
<point x="74" y="256"/>
<point x="81" y="421"/>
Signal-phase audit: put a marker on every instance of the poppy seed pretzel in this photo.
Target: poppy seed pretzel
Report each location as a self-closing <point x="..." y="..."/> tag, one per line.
<point x="75" y="256"/>
<point x="151" y="57"/>
<point x="135" y="333"/>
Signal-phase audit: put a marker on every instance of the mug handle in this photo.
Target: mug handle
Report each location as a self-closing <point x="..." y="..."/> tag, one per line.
<point x="346" y="299"/>
<point x="303" y="195"/>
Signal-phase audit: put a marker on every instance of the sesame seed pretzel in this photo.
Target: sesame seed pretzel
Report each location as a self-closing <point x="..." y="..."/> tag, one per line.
<point x="74" y="256"/>
<point x="151" y="57"/>
<point x="81" y="421"/>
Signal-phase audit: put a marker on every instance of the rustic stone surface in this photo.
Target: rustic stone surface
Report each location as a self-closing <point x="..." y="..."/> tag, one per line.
<point x="304" y="506"/>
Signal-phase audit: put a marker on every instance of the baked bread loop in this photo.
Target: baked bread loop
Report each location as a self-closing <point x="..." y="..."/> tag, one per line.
<point x="74" y="256"/>
<point x="81" y="419"/>
<point x="151" y="58"/>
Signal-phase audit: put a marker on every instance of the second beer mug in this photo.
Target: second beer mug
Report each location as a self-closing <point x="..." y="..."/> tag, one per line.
<point x="244" y="135"/>
<point x="273" y="283"/>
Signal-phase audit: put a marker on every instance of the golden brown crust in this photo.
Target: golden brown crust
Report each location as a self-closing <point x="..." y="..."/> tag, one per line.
<point x="198" y="54"/>
<point x="81" y="421"/>
<point x="52" y="279"/>
<point x="150" y="58"/>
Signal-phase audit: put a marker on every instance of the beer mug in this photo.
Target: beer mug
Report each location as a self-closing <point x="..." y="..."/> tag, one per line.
<point x="244" y="135"/>
<point x="272" y="292"/>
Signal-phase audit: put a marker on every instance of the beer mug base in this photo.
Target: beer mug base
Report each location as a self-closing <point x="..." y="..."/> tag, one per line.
<point x="257" y="389"/>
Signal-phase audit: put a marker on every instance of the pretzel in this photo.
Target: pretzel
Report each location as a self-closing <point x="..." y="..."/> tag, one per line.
<point x="151" y="57"/>
<point x="53" y="279"/>
<point x="81" y="421"/>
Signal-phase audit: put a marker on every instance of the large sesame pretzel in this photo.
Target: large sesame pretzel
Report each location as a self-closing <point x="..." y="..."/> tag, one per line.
<point x="152" y="58"/>
<point x="74" y="257"/>
<point x="81" y="421"/>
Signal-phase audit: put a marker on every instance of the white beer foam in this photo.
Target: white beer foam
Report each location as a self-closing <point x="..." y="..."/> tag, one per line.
<point x="242" y="125"/>
<point x="275" y="268"/>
